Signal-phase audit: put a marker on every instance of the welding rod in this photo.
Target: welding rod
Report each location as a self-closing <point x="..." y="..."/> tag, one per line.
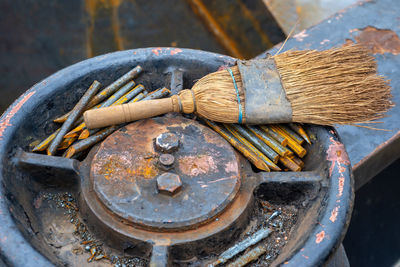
<point x="291" y="133"/>
<point x="290" y="164"/>
<point x="266" y="150"/>
<point x="109" y="90"/>
<point x="272" y="143"/>
<point x="296" y="147"/>
<point x="252" y="148"/>
<point x="101" y="135"/>
<point x="128" y="96"/>
<point x="117" y="95"/>
<point x="113" y="101"/>
<point x="75" y="113"/>
<point x="88" y="142"/>
<point x="239" y="247"/>
<point x="300" y="130"/>
<point x="251" y="156"/>
<point x="156" y="94"/>
<point x="297" y="161"/>
<point x="67" y="142"/>
<point x="86" y="132"/>
<point x="251" y="255"/>
<point x="46" y="142"/>
<point x="282" y="140"/>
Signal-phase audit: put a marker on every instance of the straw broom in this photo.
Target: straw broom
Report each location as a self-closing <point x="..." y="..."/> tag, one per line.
<point x="335" y="86"/>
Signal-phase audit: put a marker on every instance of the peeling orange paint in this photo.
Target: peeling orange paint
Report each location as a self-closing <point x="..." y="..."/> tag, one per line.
<point x="334" y="214"/>
<point x="5" y="122"/>
<point x="231" y="166"/>
<point x="300" y="36"/>
<point x="379" y="41"/>
<point x="320" y="236"/>
<point x="118" y="168"/>
<point x="193" y="166"/>
<point x="156" y="51"/>
<point x="341" y="185"/>
<point x="336" y="155"/>
<point x="175" y="51"/>
<point x="324" y="41"/>
<point x="223" y="67"/>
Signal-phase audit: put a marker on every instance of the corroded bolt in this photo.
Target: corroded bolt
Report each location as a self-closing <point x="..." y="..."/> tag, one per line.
<point x="166" y="160"/>
<point x="167" y="142"/>
<point x="169" y="183"/>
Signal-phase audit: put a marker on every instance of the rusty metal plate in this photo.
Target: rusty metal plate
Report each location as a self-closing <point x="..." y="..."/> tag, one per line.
<point x="125" y="169"/>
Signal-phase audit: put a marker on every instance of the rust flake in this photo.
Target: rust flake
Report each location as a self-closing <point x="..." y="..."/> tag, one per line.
<point x="300" y="36"/>
<point x="197" y="165"/>
<point x="116" y="168"/>
<point x="337" y="155"/>
<point x="5" y="122"/>
<point x="379" y="41"/>
<point x="341" y="185"/>
<point x="324" y="41"/>
<point x="156" y="51"/>
<point x="37" y="202"/>
<point x="334" y="214"/>
<point x="175" y="51"/>
<point x="223" y="67"/>
<point x="319" y="237"/>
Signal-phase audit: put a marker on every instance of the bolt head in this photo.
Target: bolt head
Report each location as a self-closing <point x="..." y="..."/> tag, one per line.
<point x="166" y="160"/>
<point x="167" y="142"/>
<point x="169" y="183"/>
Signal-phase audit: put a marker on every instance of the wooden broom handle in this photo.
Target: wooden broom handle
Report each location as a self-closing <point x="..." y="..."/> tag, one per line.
<point x="97" y="118"/>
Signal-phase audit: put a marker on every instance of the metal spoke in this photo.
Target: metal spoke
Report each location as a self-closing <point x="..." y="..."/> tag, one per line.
<point x="176" y="81"/>
<point x="305" y="177"/>
<point x="159" y="256"/>
<point x="52" y="168"/>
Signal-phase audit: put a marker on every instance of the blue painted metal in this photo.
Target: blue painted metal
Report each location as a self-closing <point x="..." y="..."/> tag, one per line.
<point x="370" y="151"/>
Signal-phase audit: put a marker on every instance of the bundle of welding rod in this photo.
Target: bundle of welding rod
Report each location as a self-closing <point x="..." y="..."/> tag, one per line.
<point x="73" y="137"/>
<point x="268" y="147"/>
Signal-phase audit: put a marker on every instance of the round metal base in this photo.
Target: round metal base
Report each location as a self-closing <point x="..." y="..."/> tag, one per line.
<point x="127" y="177"/>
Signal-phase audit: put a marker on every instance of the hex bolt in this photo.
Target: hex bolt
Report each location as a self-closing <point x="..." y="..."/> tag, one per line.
<point x="167" y="142"/>
<point x="169" y="183"/>
<point x="166" y="160"/>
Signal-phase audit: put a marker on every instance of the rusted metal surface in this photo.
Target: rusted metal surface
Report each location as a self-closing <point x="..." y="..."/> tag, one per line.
<point x="379" y="41"/>
<point x="124" y="177"/>
<point x="374" y="24"/>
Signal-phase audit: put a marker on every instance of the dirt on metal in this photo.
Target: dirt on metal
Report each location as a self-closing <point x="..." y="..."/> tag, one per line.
<point x="82" y="242"/>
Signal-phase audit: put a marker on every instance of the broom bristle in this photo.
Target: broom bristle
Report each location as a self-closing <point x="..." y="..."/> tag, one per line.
<point x="335" y="86"/>
<point x="216" y="97"/>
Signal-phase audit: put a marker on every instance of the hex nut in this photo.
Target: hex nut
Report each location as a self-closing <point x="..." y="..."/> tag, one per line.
<point x="169" y="183"/>
<point x="167" y="142"/>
